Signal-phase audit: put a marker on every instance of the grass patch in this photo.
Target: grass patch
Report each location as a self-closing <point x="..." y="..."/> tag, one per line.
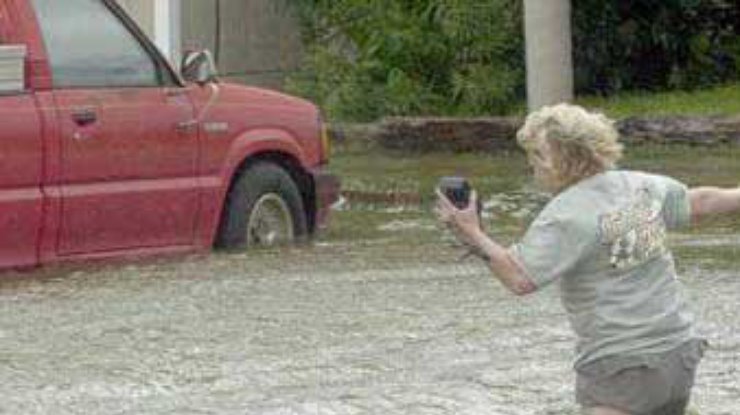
<point x="720" y="100"/>
<point x="708" y="258"/>
<point x="374" y="169"/>
<point x="377" y="169"/>
<point x="695" y="166"/>
<point x="371" y="169"/>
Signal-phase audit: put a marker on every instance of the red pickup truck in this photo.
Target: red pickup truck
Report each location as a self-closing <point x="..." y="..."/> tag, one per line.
<point x="106" y="150"/>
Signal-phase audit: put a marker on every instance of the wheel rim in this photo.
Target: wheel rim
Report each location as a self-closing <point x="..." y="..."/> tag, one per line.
<point x="271" y="223"/>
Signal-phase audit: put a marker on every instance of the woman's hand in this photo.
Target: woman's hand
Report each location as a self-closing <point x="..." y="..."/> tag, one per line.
<point x="465" y="223"/>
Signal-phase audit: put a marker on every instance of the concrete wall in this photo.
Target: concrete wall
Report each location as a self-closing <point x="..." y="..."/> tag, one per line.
<point x="260" y="41"/>
<point x="142" y="11"/>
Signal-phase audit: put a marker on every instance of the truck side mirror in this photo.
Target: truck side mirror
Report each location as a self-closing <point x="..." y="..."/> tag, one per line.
<point x="199" y="67"/>
<point x="12" y="68"/>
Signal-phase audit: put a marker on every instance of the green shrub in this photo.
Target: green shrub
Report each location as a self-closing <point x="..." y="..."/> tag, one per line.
<point x="655" y="44"/>
<point x="372" y="58"/>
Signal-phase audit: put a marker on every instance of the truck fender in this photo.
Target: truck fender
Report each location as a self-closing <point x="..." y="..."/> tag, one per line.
<point x="243" y="147"/>
<point x="259" y="141"/>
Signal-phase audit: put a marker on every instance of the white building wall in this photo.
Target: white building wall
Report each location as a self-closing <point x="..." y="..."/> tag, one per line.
<point x="161" y="20"/>
<point x="255" y="41"/>
<point x="142" y="11"/>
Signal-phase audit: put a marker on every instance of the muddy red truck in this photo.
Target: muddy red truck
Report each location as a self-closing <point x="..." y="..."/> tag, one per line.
<point x="107" y="151"/>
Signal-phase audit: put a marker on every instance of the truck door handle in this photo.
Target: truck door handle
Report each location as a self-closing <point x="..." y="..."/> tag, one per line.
<point x="84" y="117"/>
<point x="187" y="126"/>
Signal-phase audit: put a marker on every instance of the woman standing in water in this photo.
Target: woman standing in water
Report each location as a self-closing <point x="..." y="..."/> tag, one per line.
<point x="603" y="238"/>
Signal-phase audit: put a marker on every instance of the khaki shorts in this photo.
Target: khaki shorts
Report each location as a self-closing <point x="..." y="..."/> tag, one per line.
<point x="656" y="386"/>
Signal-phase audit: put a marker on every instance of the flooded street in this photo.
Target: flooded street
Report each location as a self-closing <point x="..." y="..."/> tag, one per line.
<point x="376" y="317"/>
<point x="363" y="328"/>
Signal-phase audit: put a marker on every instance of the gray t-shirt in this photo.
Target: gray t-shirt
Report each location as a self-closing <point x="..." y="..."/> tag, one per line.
<point x="604" y="239"/>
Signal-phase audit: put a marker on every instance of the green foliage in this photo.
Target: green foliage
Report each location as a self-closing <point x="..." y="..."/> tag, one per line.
<point x="655" y="44"/>
<point x="372" y="58"/>
<point x="718" y="101"/>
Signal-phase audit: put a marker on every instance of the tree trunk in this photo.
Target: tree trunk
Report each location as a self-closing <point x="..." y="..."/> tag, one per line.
<point x="549" y="52"/>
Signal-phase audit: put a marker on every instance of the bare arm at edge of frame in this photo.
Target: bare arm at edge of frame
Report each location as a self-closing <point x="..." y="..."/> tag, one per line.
<point x="713" y="201"/>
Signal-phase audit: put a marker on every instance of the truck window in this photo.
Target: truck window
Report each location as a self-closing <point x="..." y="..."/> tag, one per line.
<point x="89" y="46"/>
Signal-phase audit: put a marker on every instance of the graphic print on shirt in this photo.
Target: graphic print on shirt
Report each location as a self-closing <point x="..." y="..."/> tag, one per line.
<point x="636" y="232"/>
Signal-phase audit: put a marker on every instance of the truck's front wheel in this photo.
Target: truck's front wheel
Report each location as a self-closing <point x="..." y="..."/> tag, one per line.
<point x="263" y="208"/>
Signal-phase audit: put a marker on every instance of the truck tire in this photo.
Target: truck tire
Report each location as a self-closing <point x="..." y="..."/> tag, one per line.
<point x="263" y="208"/>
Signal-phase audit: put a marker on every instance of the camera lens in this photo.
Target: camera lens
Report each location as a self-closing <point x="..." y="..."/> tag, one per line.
<point x="457" y="190"/>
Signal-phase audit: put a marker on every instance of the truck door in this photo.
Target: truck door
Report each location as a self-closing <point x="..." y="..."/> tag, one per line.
<point x="20" y="179"/>
<point x="128" y="149"/>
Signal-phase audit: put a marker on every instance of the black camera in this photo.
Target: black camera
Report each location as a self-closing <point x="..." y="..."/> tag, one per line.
<point x="457" y="190"/>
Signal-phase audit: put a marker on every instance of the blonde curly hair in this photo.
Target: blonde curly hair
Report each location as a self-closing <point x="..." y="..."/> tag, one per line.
<point x="581" y="143"/>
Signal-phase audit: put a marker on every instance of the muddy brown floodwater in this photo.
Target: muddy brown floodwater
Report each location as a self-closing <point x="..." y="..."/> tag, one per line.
<point x="336" y="328"/>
